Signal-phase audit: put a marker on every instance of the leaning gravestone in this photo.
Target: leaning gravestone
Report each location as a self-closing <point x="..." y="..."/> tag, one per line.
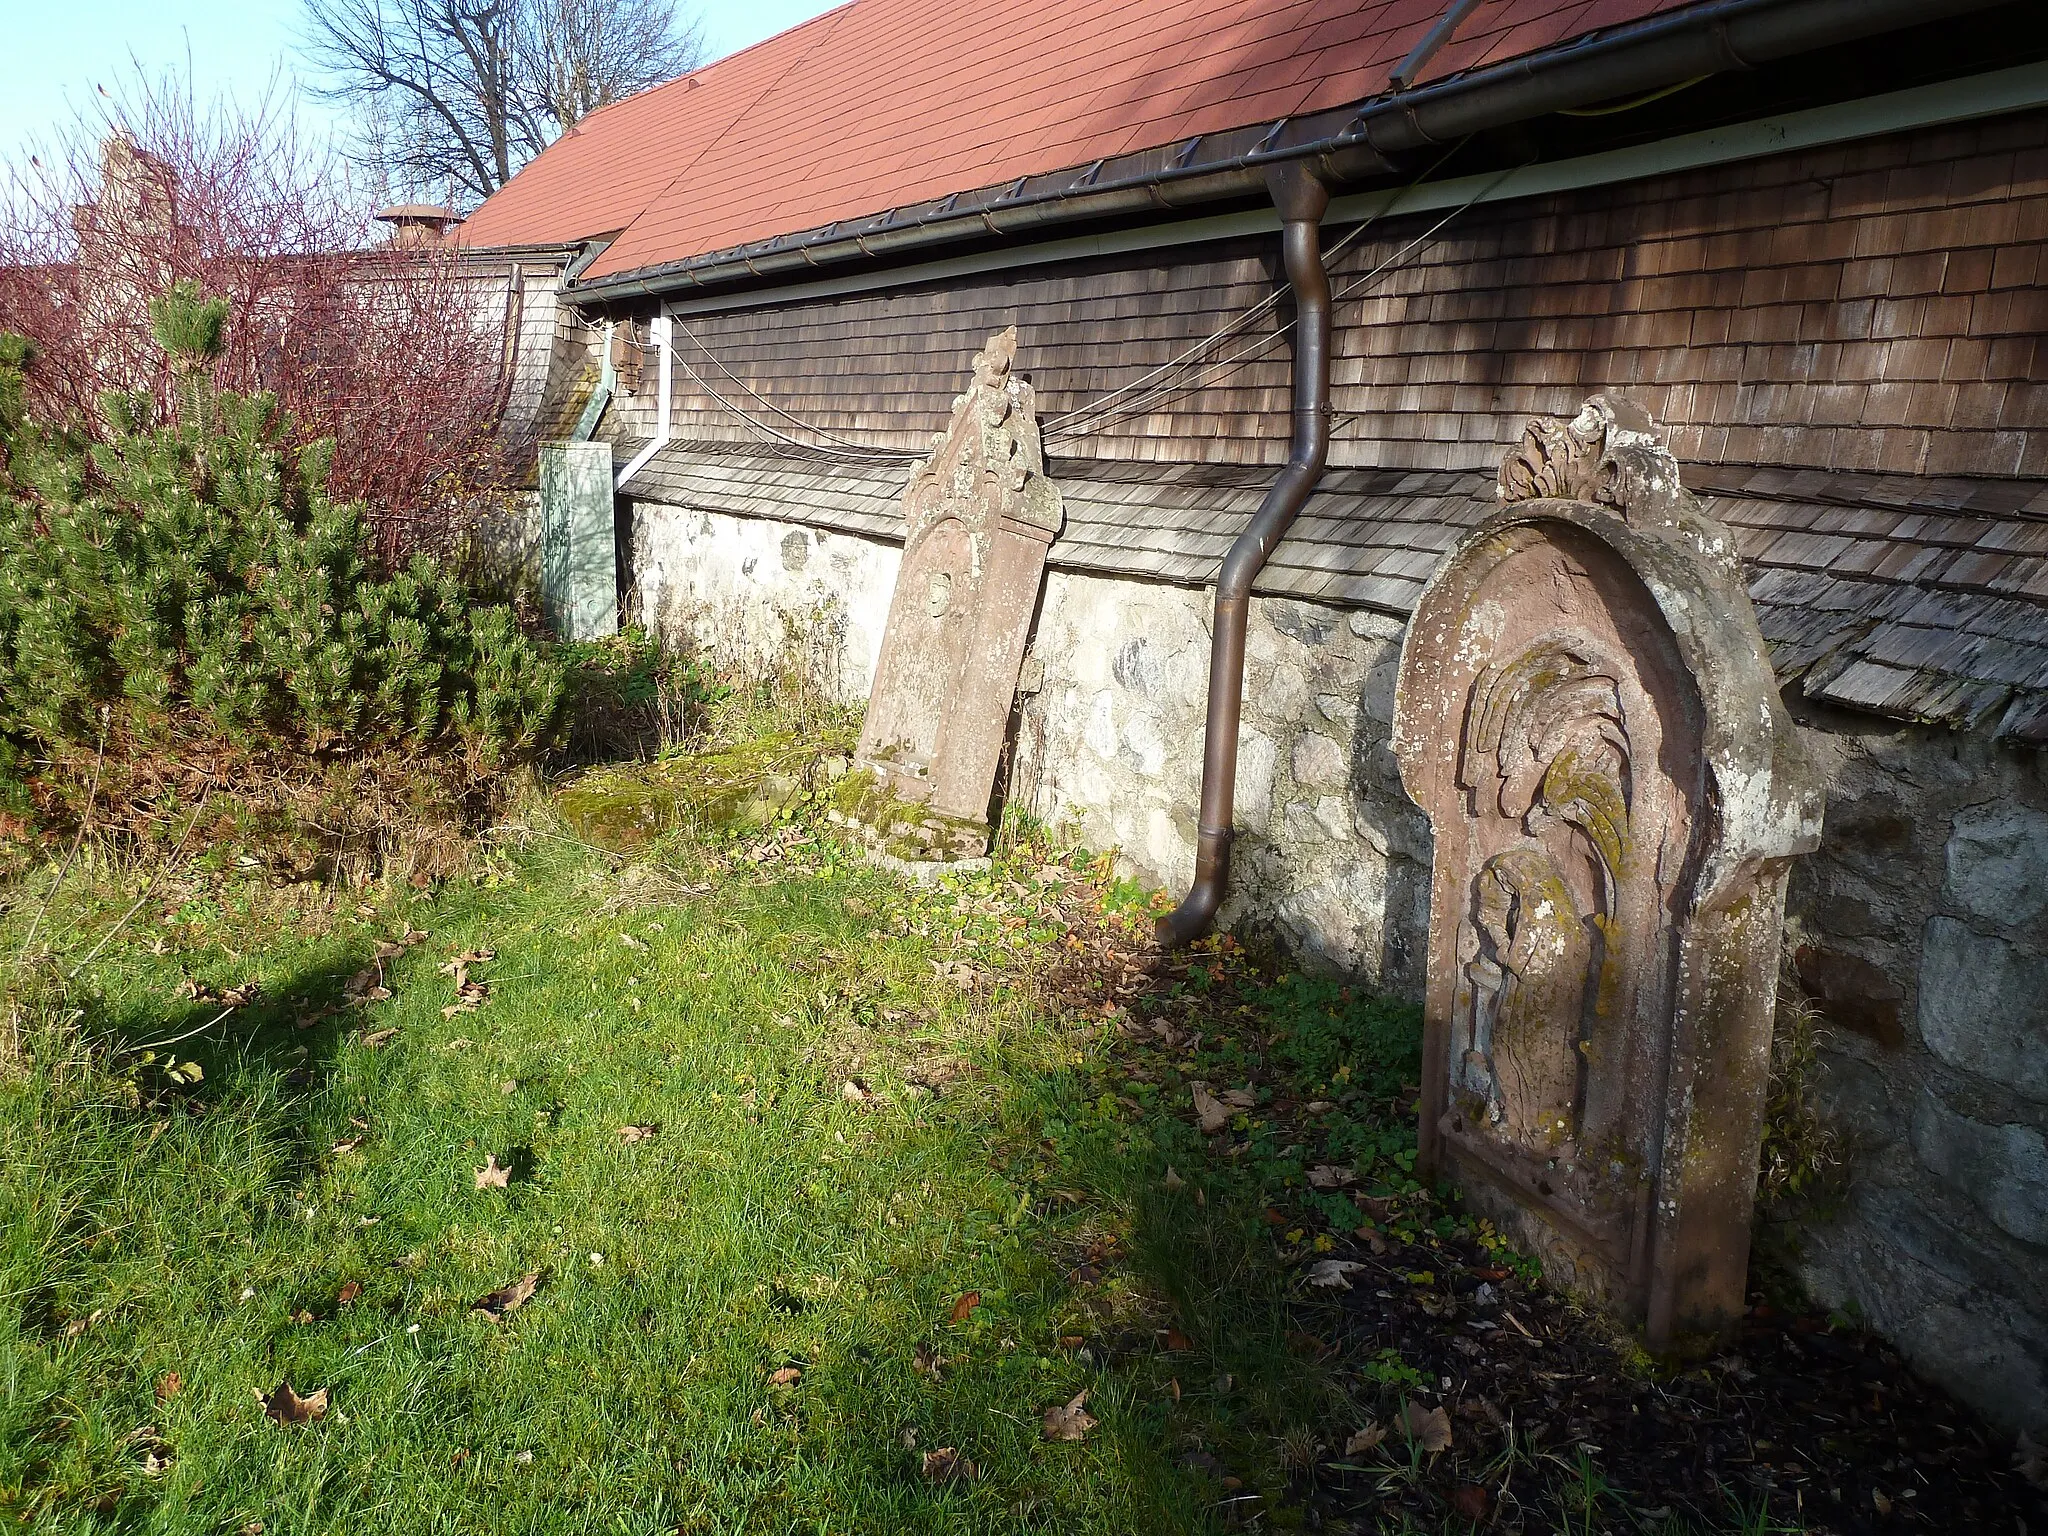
<point x="1586" y="711"/>
<point x="979" y="515"/>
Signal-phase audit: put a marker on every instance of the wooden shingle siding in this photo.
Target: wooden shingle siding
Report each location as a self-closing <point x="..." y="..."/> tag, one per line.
<point x="1846" y="347"/>
<point x="1875" y="308"/>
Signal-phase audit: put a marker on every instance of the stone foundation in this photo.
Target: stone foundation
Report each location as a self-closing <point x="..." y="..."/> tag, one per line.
<point x="1330" y="855"/>
<point x="752" y="591"/>
<point x="1922" y="925"/>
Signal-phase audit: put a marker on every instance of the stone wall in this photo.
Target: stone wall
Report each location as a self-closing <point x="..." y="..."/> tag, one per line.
<point x="1331" y="857"/>
<point x="1922" y="926"/>
<point x="752" y="591"/>
<point x="1921" y="923"/>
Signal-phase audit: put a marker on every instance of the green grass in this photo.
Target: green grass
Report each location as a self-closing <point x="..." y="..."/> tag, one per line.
<point x="209" y="1230"/>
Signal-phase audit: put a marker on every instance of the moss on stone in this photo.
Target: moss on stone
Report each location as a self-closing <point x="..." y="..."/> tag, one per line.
<point x="625" y="808"/>
<point x="906" y="832"/>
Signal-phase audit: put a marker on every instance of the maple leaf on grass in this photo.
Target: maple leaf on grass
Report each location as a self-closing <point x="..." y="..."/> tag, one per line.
<point x="1069" y="1420"/>
<point x="506" y="1299"/>
<point x="1365" y="1439"/>
<point x="788" y="1376"/>
<point x="493" y="1174"/>
<point x="286" y="1406"/>
<point x="965" y="1305"/>
<point x="1211" y="1114"/>
<point x="633" y="1134"/>
<point x="1429" y="1428"/>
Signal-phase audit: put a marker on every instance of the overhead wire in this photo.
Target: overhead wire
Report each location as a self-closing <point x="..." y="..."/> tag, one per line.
<point x="1221" y="367"/>
<point x="1056" y="423"/>
<point x="1142" y="396"/>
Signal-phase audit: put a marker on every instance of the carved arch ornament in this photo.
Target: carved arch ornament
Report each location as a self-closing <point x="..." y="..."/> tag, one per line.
<point x="1586" y="711"/>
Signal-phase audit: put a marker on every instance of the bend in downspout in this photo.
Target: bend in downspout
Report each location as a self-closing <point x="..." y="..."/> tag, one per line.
<point x="1301" y="198"/>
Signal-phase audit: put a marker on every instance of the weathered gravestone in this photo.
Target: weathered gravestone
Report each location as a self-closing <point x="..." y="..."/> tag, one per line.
<point x="979" y="515"/>
<point x="1586" y="711"/>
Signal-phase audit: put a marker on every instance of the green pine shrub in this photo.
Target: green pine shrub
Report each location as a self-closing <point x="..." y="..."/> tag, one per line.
<point x="191" y="578"/>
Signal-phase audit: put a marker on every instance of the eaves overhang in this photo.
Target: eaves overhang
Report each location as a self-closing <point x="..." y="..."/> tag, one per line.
<point x="1351" y="145"/>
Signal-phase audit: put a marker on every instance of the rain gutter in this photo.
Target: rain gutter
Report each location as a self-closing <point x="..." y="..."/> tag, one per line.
<point x="1348" y="144"/>
<point x="2018" y="89"/>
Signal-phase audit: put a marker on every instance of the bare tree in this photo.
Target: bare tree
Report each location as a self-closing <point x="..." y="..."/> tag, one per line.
<point x="456" y="95"/>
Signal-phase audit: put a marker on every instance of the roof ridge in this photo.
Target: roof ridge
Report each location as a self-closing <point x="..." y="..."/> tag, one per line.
<point x="710" y="64"/>
<point x="833" y="16"/>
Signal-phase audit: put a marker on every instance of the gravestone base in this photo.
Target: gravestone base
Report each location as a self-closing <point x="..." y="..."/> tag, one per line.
<point x="903" y="834"/>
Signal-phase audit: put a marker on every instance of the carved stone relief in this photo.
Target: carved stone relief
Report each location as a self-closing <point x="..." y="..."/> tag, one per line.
<point x="979" y="515"/>
<point x="1586" y="712"/>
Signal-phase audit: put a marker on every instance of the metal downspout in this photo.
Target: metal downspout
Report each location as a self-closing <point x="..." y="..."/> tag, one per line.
<point x="1301" y="198"/>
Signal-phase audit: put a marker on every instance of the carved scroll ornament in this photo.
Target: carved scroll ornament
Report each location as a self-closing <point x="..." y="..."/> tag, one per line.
<point x="1585" y="711"/>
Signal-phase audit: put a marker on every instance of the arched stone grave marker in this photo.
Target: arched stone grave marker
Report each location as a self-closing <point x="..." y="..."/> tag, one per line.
<point x="1586" y="711"/>
<point x="979" y="515"/>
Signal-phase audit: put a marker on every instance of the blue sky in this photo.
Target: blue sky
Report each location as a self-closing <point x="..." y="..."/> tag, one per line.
<point x="59" y="51"/>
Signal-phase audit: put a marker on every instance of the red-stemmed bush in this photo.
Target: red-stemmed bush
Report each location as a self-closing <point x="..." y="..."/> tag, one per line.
<point x="398" y="354"/>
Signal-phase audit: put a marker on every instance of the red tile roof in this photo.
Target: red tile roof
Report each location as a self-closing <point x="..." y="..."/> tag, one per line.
<point x="883" y="103"/>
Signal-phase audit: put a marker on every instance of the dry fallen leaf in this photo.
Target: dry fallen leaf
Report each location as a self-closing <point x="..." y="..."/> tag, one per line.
<point x="1334" y="1274"/>
<point x="1176" y="1340"/>
<point x="1068" y="1421"/>
<point x="1240" y="1098"/>
<point x="1330" y="1176"/>
<point x="855" y="1092"/>
<point x="493" y="1175"/>
<point x="348" y="1145"/>
<point x="1365" y="1439"/>
<point x="1173" y="1180"/>
<point x="927" y="1361"/>
<point x="506" y="1299"/>
<point x="965" y="1305"/>
<point x="1429" y="1428"/>
<point x="287" y="1407"/>
<point x="375" y="1038"/>
<point x="947" y="1465"/>
<point x="1211" y="1114"/>
<point x="630" y="942"/>
<point x="348" y="1293"/>
<point x="1880" y="1503"/>
<point x="168" y="1386"/>
<point x="1470" y="1501"/>
<point x="630" y="1134"/>
<point x="788" y="1376"/>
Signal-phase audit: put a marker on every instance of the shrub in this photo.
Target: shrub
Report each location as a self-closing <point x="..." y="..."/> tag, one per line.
<point x="397" y="353"/>
<point x="193" y="572"/>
